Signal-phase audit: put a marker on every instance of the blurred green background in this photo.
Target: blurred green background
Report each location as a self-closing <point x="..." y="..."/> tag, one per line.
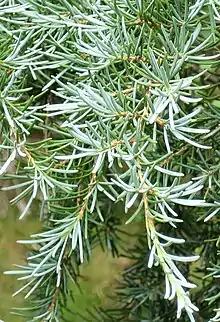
<point x="99" y="276"/>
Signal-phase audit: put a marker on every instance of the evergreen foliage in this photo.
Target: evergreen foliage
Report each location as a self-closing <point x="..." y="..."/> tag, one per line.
<point x="107" y="102"/>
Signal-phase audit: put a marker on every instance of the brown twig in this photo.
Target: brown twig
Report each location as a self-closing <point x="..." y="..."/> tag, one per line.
<point x="124" y="91"/>
<point x="84" y="206"/>
<point x="173" y="155"/>
<point x="134" y="59"/>
<point x="53" y="302"/>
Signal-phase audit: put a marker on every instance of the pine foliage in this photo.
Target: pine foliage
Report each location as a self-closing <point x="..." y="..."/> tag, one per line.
<point x="107" y="102"/>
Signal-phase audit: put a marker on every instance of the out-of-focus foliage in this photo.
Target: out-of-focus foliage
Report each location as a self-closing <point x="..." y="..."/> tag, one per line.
<point x="108" y="102"/>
